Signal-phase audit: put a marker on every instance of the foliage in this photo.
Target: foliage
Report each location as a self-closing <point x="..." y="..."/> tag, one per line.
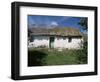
<point x="83" y="23"/>
<point x="82" y="55"/>
<point x="54" y="57"/>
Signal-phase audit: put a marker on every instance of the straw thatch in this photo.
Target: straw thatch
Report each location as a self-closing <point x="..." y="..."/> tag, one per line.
<point x="65" y="31"/>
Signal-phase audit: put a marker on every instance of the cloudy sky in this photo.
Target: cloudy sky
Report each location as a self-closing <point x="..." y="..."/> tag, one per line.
<point x="52" y="21"/>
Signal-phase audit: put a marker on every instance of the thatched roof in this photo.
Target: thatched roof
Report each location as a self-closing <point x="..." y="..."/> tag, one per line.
<point x="56" y="31"/>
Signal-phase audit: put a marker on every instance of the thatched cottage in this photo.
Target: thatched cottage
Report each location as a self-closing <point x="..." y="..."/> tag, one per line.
<point x="70" y="38"/>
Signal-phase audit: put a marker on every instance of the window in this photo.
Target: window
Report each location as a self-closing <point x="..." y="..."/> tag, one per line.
<point x="69" y="39"/>
<point x="32" y="39"/>
<point x="64" y="38"/>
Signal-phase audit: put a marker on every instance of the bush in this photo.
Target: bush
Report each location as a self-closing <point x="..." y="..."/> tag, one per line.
<point x="82" y="54"/>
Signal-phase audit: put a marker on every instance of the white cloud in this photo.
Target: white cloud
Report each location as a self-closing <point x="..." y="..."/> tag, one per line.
<point x="54" y="23"/>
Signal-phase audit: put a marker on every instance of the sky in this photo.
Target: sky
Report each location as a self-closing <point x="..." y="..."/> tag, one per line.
<point x="53" y="21"/>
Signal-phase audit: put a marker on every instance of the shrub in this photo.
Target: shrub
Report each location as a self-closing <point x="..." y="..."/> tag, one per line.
<point x="82" y="54"/>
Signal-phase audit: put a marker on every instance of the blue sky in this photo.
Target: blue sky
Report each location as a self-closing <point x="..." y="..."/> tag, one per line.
<point x="52" y="21"/>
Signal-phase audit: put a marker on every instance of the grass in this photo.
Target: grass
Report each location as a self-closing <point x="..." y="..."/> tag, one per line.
<point x="44" y="57"/>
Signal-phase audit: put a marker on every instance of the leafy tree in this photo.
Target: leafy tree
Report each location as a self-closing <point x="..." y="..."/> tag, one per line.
<point x="83" y="23"/>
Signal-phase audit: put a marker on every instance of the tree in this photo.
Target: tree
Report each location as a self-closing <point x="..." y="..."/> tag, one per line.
<point x="83" y="23"/>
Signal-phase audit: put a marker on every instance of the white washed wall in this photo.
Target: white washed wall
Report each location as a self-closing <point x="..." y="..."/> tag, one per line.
<point x="75" y="44"/>
<point x="58" y="42"/>
<point x="63" y="43"/>
<point x="40" y="41"/>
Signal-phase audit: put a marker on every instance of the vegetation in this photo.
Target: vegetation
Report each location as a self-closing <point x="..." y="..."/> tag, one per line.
<point x="44" y="56"/>
<point x="83" y="23"/>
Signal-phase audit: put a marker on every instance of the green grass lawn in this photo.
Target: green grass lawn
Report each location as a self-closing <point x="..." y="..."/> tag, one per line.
<point x="44" y="57"/>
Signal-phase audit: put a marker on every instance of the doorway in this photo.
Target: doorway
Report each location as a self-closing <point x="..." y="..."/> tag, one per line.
<point x="51" y="42"/>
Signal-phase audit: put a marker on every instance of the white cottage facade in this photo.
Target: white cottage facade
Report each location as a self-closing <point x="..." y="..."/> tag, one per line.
<point x="62" y="38"/>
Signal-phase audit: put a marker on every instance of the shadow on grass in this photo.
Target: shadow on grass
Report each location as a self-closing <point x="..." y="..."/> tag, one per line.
<point x="35" y="58"/>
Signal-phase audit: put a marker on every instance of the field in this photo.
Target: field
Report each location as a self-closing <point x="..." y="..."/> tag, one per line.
<point x="45" y="57"/>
